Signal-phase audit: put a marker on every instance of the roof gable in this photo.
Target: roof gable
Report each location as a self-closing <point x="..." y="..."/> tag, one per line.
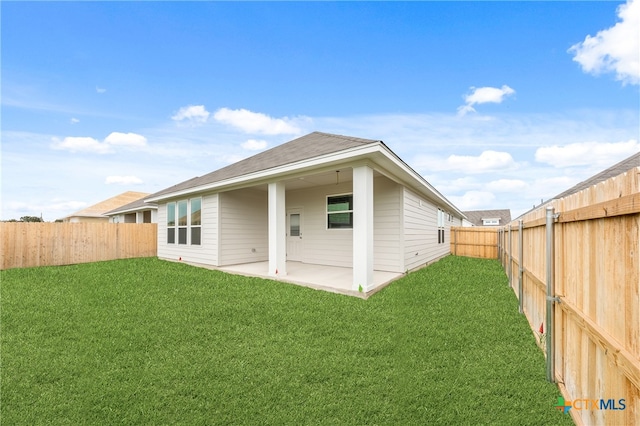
<point x="477" y="216"/>
<point x="99" y="209"/>
<point x="312" y="145"/>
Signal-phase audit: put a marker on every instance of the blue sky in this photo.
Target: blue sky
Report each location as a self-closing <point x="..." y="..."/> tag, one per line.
<point x="497" y="104"/>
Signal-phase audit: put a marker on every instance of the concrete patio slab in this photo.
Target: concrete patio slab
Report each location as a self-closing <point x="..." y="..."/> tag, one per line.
<point x="320" y="277"/>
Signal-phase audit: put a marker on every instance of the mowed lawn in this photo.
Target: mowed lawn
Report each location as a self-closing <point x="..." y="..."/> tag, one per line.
<point x="145" y="341"/>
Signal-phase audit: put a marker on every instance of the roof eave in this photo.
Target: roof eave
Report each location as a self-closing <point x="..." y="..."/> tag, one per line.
<point x="276" y="172"/>
<point x="357" y="153"/>
<point x="132" y="210"/>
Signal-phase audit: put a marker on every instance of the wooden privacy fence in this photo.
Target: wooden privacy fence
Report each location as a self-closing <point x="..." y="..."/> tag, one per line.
<point x="43" y="244"/>
<point x="476" y="241"/>
<point x="574" y="264"/>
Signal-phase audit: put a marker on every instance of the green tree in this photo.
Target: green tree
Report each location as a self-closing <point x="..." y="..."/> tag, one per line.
<point x="31" y="219"/>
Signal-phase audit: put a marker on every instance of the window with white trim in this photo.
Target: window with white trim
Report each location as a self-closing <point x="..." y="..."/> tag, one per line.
<point x="184" y="218"/>
<point x="196" y="221"/>
<point x="182" y="222"/>
<point x="171" y="223"/>
<point x="340" y="211"/>
<point x="440" y="226"/>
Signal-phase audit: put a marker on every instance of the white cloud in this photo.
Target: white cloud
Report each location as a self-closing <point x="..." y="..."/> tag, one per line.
<point x="81" y="144"/>
<point x="88" y="144"/>
<point x="123" y="180"/>
<point x="126" y="139"/>
<point x="256" y="122"/>
<point x="487" y="161"/>
<point x="616" y="49"/>
<point x="74" y="120"/>
<point x="473" y="200"/>
<point x="100" y="90"/>
<point x="483" y="95"/>
<point x="192" y="114"/>
<point x="254" y="145"/>
<point x="587" y="153"/>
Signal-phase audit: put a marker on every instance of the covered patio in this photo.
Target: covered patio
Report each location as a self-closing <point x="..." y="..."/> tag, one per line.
<point x="320" y="277"/>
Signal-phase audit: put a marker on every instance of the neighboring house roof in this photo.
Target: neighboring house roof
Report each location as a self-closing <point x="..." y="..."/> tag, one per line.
<point x="476" y="216"/>
<point x="304" y="153"/>
<point x="135" y="206"/>
<point x="99" y="209"/>
<point x="615" y="170"/>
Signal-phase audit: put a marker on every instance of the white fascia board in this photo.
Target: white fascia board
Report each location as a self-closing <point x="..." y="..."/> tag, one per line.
<point x="279" y="172"/>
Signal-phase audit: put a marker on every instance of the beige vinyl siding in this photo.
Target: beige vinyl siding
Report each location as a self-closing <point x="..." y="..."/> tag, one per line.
<point x="420" y="231"/>
<point x="244" y="226"/>
<point x="322" y="246"/>
<point x="387" y="225"/>
<point x="207" y="252"/>
<point x="335" y="246"/>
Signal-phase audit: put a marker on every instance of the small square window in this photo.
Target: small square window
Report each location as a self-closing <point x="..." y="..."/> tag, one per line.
<point x="340" y="212"/>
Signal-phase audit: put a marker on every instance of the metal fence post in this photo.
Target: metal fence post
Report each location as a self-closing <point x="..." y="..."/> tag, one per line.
<point x="521" y="265"/>
<point x="510" y="259"/>
<point x="550" y="219"/>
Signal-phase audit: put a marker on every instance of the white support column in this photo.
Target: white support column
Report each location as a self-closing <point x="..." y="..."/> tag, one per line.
<point x="362" y="228"/>
<point x="277" y="230"/>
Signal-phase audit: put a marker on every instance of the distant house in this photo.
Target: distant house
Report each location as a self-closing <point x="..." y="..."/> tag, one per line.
<point x="487" y="217"/>
<point x="321" y="199"/>
<point x="138" y="211"/>
<point x="97" y="212"/>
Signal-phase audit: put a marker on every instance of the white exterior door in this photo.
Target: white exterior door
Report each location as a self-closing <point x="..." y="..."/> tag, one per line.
<point x="294" y="234"/>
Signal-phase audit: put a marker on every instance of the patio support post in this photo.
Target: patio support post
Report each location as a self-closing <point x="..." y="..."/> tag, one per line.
<point x="362" y="228"/>
<point x="277" y="230"/>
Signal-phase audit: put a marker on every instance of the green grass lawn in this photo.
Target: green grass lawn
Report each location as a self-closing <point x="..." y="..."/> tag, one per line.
<point x="153" y="342"/>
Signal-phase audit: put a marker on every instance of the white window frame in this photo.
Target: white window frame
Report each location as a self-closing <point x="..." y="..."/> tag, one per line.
<point x="191" y="226"/>
<point x="171" y="207"/>
<point x="327" y="212"/>
<point x="188" y="225"/>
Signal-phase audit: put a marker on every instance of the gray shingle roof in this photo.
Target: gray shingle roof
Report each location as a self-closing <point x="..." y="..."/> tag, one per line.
<point x="615" y="170"/>
<point x="476" y="216"/>
<point x="140" y="204"/>
<point x="312" y="145"/>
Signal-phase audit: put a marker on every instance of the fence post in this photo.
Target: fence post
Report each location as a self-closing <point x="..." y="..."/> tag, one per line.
<point x="520" y="265"/>
<point x="510" y="259"/>
<point x="550" y="219"/>
<point x="498" y="243"/>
